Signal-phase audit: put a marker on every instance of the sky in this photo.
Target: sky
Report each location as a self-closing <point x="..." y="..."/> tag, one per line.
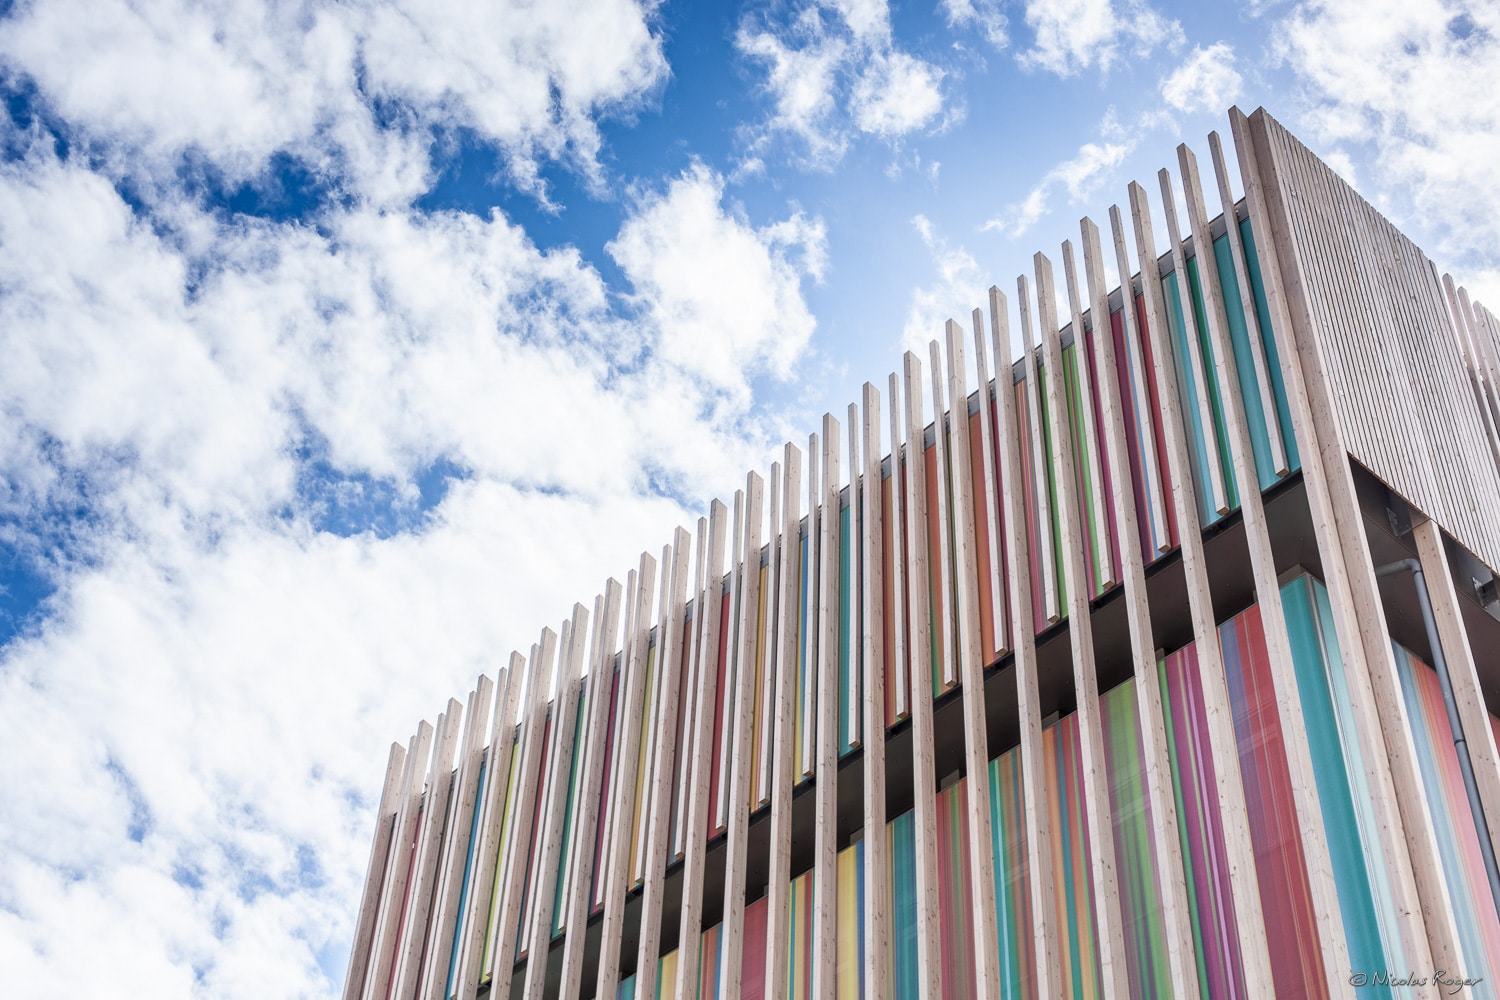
<point x="345" y="345"/>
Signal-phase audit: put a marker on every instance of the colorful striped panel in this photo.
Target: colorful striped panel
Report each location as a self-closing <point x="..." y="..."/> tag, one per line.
<point x="637" y="803"/>
<point x="758" y="700"/>
<point x="937" y="614"/>
<point x="1049" y="469"/>
<point x="711" y="963"/>
<point x="989" y="595"/>
<point x="1098" y="556"/>
<point x="1200" y="827"/>
<point x="560" y="897"/>
<point x="889" y="624"/>
<point x="849" y="973"/>
<point x="1135" y="828"/>
<point x="1448" y="805"/>
<point x="1244" y="362"/>
<point x="1106" y="474"/>
<point x="533" y="854"/>
<point x="955" y="892"/>
<point x="463" y="891"/>
<point x="753" y="952"/>
<point x="500" y="855"/>
<point x="1073" y="889"/>
<point x="666" y="974"/>
<point x="1273" y="353"/>
<point x="1205" y="443"/>
<point x="805" y="680"/>
<point x="596" y="891"/>
<point x="1029" y="505"/>
<point x="848" y="651"/>
<point x="901" y="844"/>
<point x="800" y="931"/>
<point x="716" y="770"/>
<point x="1286" y="899"/>
<point x="1012" y="888"/>
<point x="1364" y="891"/>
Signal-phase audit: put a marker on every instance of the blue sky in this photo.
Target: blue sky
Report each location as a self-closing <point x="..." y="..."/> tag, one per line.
<point x="345" y="345"/>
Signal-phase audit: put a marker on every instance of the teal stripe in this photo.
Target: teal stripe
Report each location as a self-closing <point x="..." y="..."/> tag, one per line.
<point x="1268" y="338"/>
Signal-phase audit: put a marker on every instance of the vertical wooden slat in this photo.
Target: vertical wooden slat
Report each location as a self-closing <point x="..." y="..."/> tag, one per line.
<point x="825" y="806"/>
<point x="971" y="671"/>
<point x="899" y="560"/>
<point x="1258" y="357"/>
<point x="999" y="617"/>
<point x="732" y="937"/>
<point x="393" y="902"/>
<point x="943" y="589"/>
<point x="560" y="767"/>
<point x="1218" y="495"/>
<point x="596" y="723"/>
<point x="1041" y="462"/>
<point x="853" y="553"/>
<point x="811" y="622"/>
<point x="1100" y="830"/>
<point x="1103" y="563"/>
<point x="1039" y="842"/>
<point x="393" y="906"/>
<point x="428" y="849"/>
<point x="924" y="768"/>
<point x="1140" y="380"/>
<point x="622" y="812"/>
<point x="457" y="848"/>
<point x="669" y="663"/>
<point x="690" y="925"/>
<point x="1170" y="875"/>
<point x="375" y="873"/>
<point x="529" y="777"/>
<point x="877" y="915"/>
<point x="737" y="572"/>
<point x="779" y="877"/>
<point x="475" y="920"/>
<point x="687" y="751"/>
<point x="766" y="653"/>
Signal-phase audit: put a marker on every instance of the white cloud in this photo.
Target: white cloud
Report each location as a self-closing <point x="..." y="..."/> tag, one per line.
<point x="986" y="16"/>
<point x="212" y="668"/>
<point x="1415" y="81"/>
<point x="897" y="94"/>
<point x="834" y="72"/>
<point x="1081" y="175"/>
<point x="234" y="84"/>
<point x="1074" y="35"/>
<point x="959" y="288"/>
<point x="1206" y="81"/>
<point x="725" y="296"/>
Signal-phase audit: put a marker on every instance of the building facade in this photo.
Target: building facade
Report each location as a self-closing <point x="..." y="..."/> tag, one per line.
<point x="1161" y="663"/>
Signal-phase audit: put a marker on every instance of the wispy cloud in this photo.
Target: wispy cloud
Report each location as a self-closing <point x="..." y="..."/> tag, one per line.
<point x="1080" y="175"/>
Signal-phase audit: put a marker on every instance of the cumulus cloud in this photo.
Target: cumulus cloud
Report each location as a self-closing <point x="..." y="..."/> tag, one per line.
<point x="1416" y="81"/>
<point x="356" y="91"/>
<point x="1075" y="35"/>
<point x="189" y="403"/>
<point x="1206" y="81"/>
<point x="834" y="72"/>
<point x="726" y="296"/>
<point x="1081" y="175"/>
